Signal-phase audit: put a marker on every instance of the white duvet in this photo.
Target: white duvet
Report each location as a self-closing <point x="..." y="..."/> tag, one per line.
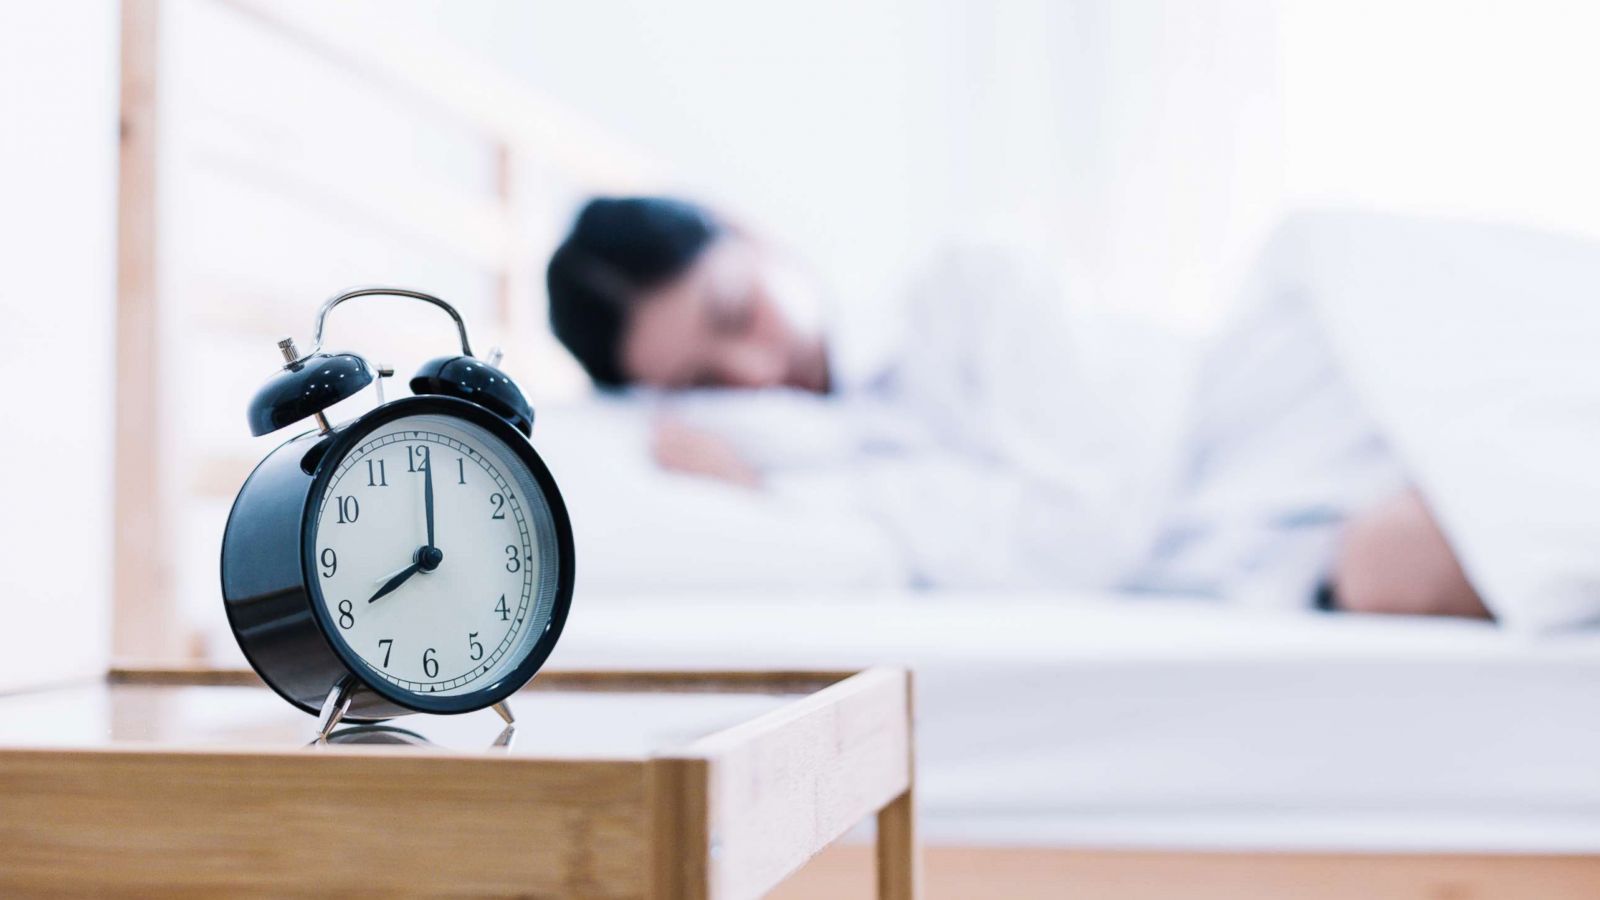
<point x="1477" y="350"/>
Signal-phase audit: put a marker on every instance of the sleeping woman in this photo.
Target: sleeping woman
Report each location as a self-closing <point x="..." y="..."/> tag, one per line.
<point x="989" y="452"/>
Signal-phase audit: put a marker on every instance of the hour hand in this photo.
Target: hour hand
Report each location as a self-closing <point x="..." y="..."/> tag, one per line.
<point x="394" y="582"/>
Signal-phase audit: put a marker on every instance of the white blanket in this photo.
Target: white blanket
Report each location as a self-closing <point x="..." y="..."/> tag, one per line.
<point x="1477" y="350"/>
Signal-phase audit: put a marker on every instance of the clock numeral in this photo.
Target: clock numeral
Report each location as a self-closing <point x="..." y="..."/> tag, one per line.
<point x="388" y="647"/>
<point x="477" y="647"/>
<point x="499" y="501"/>
<point x="330" y="562"/>
<point x="349" y="509"/>
<point x="430" y="666"/>
<point x="376" y="476"/>
<point x="513" y="561"/>
<point x="461" y="470"/>
<point x="503" y="609"/>
<point x="417" y="458"/>
<point x="347" y="615"/>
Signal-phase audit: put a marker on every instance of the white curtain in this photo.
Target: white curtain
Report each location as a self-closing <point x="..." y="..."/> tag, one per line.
<point x="1141" y="141"/>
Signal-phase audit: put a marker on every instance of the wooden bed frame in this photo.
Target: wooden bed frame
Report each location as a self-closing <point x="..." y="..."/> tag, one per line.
<point x="539" y="158"/>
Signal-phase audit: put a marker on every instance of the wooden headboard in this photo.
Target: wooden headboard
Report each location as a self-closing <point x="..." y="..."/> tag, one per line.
<point x="272" y="154"/>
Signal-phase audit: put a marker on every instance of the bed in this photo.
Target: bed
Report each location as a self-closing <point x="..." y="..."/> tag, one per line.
<point x="1131" y="747"/>
<point x="1101" y="721"/>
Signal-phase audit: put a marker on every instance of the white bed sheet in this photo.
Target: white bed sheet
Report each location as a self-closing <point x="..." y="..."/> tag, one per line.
<point x="1109" y="721"/>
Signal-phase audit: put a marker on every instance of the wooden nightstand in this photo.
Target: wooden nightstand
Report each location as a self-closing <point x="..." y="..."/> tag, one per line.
<point x="614" y="784"/>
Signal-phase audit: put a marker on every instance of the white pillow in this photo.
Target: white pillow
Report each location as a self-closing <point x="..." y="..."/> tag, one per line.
<point x="640" y="529"/>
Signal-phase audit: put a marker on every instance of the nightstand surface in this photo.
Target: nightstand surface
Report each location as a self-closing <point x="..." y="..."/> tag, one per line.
<point x="611" y="784"/>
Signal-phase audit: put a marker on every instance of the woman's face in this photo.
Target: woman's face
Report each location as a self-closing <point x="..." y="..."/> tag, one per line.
<point x="718" y="325"/>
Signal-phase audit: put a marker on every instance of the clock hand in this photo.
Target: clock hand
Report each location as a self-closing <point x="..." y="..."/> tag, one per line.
<point x="426" y="559"/>
<point x="427" y="496"/>
<point x="383" y="578"/>
<point x="398" y="579"/>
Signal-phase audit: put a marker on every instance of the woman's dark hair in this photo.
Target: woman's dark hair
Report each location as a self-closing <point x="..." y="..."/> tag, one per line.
<point x="618" y="249"/>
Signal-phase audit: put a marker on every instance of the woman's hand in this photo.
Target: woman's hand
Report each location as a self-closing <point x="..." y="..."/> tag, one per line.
<point x="682" y="448"/>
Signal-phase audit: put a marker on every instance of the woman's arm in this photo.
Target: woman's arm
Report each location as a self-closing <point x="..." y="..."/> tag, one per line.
<point x="1395" y="559"/>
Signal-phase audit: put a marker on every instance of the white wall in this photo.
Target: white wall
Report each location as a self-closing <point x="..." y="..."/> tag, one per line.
<point x="1476" y="109"/>
<point x="1138" y="142"/>
<point x="814" y="120"/>
<point x="58" y="121"/>
<point x="1148" y="143"/>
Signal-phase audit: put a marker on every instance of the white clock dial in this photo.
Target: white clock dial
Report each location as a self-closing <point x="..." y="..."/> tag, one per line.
<point x="448" y="612"/>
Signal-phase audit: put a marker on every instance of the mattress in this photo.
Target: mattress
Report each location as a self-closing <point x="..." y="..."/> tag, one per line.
<point x="1095" y="720"/>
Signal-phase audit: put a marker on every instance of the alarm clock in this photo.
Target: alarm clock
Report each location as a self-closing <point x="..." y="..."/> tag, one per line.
<point x="417" y="558"/>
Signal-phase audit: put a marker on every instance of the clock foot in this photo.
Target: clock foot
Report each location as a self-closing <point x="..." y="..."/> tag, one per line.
<point x="505" y="713"/>
<point x="504" y="740"/>
<point x="334" y="707"/>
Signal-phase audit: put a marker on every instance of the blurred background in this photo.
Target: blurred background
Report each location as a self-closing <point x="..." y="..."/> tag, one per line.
<point x="285" y="149"/>
<point x="1150" y="142"/>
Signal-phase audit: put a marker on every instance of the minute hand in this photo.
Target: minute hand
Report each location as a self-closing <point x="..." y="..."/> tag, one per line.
<point x="427" y="496"/>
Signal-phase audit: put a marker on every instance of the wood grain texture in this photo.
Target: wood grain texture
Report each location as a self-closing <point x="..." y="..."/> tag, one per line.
<point x="795" y="681"/>
<point x="490" y="100"/>
<point x="899" y="862"/>
<point x="218" y="173"/>
<point x="143" y="609"/>
<point x="727" y="816"/>
<point x="680" y="828"/>
<point x="334" y="822"/>
<point x="958" y="873"/>
<point x="784" y="785"/>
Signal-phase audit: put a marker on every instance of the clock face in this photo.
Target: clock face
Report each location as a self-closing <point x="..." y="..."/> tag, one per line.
<point x="436" y="556"/>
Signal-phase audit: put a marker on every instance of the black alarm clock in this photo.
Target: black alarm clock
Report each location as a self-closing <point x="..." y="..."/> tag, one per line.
<point x="417" y="558"/>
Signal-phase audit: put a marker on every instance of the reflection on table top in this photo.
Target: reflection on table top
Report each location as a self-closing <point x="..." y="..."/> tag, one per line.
<point x="551" y="723"/>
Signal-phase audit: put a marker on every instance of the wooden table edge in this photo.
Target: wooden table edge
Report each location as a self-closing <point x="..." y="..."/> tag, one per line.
<point x="698" y="851"/>
<point x="844" y="709"/>
<point x="776" y="681"/>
